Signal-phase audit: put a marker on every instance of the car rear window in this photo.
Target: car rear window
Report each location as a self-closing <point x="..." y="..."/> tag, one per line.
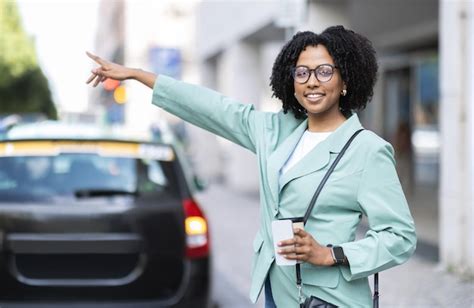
<point x="37" y="171"/>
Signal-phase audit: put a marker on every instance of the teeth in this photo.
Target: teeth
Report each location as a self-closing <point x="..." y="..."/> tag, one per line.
<point x="314" y="95"/>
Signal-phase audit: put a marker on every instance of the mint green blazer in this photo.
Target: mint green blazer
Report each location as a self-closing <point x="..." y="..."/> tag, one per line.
<point x="364" y="183"/>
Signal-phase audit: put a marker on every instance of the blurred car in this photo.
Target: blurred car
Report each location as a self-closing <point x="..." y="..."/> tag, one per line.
<point x="94" y="217"/>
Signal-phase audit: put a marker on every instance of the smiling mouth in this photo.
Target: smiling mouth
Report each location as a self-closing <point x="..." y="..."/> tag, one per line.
<point x="313" y="97"/>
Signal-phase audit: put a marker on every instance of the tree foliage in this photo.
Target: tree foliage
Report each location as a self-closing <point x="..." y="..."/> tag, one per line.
<point x="23" y="87"/>
<point x="28" y="94"/>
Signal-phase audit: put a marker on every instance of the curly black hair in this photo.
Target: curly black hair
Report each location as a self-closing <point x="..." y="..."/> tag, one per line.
<point x="352" y="53"/>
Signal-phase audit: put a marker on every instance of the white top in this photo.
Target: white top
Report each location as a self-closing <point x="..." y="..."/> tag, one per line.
<point x="307" y="142"/>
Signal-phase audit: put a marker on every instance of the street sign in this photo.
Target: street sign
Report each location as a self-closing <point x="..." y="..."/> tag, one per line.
<point x="166" y="61"/>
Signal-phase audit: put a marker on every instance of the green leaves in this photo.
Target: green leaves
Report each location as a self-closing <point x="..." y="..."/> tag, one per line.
<point x="23" y="87"/>
<point x="17" y="53"/>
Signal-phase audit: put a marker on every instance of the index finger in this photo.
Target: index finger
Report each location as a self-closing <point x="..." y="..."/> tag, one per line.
<point x="96" y="58"/>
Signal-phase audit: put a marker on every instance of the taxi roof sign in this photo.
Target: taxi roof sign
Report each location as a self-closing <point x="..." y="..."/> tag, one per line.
<point x="101" y="148"/>
<point x="51" y="130"/>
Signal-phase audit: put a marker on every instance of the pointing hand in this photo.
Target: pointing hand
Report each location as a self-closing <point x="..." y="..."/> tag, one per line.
<point x="106" y="70"/>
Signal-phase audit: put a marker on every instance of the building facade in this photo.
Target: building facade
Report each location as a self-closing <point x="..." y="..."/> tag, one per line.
<point x="422" y="102"/>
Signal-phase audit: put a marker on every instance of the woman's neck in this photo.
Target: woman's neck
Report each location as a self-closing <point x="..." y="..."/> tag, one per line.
<point x="325" y="123"/>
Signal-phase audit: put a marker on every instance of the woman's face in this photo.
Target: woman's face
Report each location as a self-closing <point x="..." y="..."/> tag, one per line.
<point x="317" y="97"/>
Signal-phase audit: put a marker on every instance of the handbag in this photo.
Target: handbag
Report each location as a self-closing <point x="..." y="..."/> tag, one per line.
<point x="313" y="301"/>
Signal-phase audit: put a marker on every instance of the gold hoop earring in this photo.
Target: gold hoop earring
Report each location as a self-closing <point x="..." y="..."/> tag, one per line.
<point x="344" y="92"/>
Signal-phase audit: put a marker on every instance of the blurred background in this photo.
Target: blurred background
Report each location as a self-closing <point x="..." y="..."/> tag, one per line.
<point x="423" y="105"/>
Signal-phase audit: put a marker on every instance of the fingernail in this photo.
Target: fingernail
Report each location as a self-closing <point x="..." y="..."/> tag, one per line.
<point x="279" y="244"/>
<point x="280" y="251"/>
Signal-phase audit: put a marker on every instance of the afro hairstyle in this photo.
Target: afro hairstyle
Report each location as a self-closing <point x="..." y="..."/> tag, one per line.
<point x="352" y="53"/>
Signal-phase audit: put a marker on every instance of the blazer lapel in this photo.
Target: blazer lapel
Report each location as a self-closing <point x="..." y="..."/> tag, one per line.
<point x="320" y="156"/>
<point x="315" y="160"/>
<point x="277" y="159"/>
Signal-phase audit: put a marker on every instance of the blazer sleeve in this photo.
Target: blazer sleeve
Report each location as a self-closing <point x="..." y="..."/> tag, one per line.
<point x="209" y="110"/>
<point x="391" y="238"/>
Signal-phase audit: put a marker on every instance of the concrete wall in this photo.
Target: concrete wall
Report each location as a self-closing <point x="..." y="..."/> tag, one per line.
<point x="470" y="159"/>
<point x="456" y="193"/>
<point x="397" y="24"/>
<point x="222" y="23"/>
<point x="471" y="129"/>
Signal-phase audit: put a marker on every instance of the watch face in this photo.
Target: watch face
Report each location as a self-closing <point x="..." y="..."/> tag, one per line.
<point x="338" y="254"/>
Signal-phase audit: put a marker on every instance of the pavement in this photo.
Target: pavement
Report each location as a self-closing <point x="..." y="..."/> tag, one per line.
<point x="234" y="220"/>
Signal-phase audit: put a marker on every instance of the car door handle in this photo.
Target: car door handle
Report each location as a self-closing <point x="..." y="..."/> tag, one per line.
<point x="73" y="243"/>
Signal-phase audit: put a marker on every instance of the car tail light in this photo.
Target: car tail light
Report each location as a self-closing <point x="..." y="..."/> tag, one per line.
<point x="197" y="235"/>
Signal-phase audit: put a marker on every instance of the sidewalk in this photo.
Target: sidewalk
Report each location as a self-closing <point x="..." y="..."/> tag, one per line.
<point x="420" y="282"/>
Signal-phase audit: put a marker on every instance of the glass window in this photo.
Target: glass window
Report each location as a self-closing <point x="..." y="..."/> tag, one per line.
<point x="411" y="121"/>
<point x="425" y="135"/>
<point x="31" y="178"/>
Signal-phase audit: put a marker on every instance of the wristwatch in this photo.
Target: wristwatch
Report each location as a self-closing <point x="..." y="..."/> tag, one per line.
<point x="337" y="254"/>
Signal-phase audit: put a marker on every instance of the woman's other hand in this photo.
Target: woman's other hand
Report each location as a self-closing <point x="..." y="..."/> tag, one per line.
<point x="303" y="247"/>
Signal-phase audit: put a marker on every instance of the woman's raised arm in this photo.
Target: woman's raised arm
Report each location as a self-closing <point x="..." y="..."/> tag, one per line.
<point x="202" y="107"/>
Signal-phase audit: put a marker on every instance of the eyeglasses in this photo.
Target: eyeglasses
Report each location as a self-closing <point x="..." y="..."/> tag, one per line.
<point x="323" y="73"/>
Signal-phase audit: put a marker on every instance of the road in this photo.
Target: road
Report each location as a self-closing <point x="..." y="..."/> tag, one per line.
<point x="234" y="221"/>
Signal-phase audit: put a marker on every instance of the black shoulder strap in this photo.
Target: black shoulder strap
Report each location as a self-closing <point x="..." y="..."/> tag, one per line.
<point x="326" y="176"/>
<point x="311" y="206"/>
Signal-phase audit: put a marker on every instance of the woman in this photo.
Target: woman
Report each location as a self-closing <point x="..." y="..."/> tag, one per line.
<point x="322" y="79"/>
